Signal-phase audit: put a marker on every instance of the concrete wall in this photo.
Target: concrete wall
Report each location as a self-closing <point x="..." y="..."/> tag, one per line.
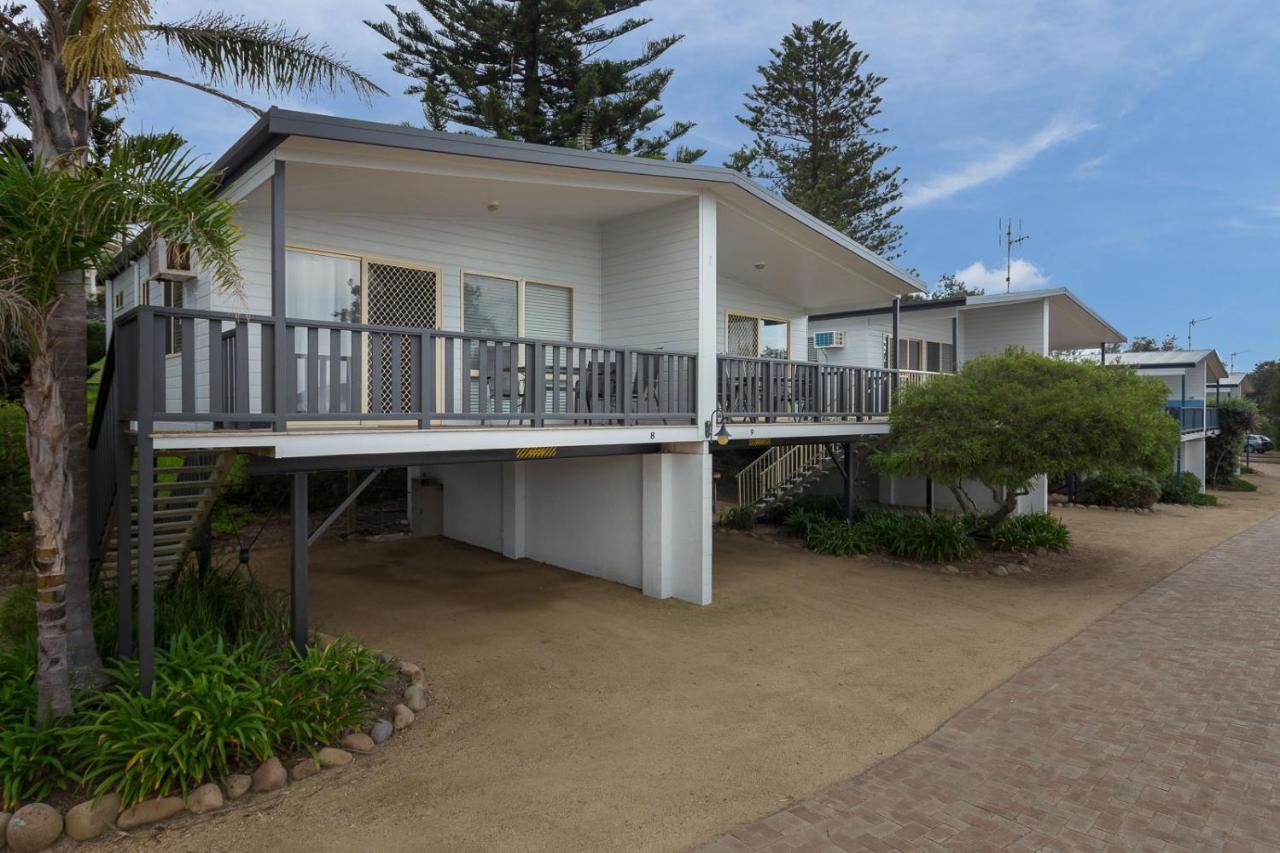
<point x="640" y="520"/>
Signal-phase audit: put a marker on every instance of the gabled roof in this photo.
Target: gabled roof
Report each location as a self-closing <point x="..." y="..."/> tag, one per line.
<point x="1214" y="368"/>
<point x="277" y="124"/>
<point x="1237" y="380"/>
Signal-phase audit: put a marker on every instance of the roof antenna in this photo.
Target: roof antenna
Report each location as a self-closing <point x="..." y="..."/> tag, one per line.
<point x="1006" y="235"/>
<point x="1232" y="363"/>
<point x="1191" y="325"/>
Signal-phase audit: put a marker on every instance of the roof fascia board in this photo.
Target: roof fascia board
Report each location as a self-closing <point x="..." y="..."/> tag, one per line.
<point x="937" y="304"/>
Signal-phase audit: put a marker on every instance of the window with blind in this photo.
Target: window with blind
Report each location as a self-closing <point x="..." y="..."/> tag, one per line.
<point x="490" y="305"/>
<point x="548" y="311"/>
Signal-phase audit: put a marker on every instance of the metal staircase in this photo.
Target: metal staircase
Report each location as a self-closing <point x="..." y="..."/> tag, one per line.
<point x="187" y="484"/>
<point x="783" y="473"/>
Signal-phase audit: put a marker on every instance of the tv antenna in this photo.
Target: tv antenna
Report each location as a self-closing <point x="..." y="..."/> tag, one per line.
<point x="1191" y="324"/>
<point x="1231" y="364"/>
<point x="1006" y="235"/>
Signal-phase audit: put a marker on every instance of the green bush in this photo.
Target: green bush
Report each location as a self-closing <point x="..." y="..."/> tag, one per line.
<point x="1179" y="489"/>
<point x="1205" y="500"/>
<point x="823" y="506"/>
<point x="1031" y="531"/>
<point x="1122" y="489"/>
<point x="739" y="518"/>
<point x="934" y="538"/>
<point x="838" y="539"/>
<point x="800" y="521"/>
<point x="330" y="691"/>
<point x="1237" y="484"/>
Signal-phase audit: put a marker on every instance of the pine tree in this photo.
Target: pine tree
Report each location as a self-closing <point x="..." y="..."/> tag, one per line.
<point x="815" y="137"/>
<point x="532" y="70"/>
<point x="949" y="286"/>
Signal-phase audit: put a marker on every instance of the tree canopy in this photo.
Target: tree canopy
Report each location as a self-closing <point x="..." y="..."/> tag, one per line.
<point x="533" y="70"/>
<point x="1144" y="343"/>
<point x="1266" y="388"/>
<point x="813" y="116"/>
<point x="949" y="286"/>
<point x="1003" y="420"/>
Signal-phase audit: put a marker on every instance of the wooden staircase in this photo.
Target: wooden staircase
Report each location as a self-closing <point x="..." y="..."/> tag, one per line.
<point x="782" y="474"/>
<point x="187" y="484"/>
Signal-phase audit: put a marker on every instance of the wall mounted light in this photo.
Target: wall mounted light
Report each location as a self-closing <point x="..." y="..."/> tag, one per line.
<point x="721" y="436"/>
<point x="493" y="206"/>
<point x="759" y="265"/>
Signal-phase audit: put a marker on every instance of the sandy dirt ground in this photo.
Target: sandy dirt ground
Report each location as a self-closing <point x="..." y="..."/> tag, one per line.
<point x="577" y="715"/>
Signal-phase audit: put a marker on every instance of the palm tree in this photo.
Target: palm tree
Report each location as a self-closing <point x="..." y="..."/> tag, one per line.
<point x="60" y="63"/>
<point x="54" y="223"/>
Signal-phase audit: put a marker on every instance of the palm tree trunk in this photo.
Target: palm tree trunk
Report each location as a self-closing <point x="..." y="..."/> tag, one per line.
<point x="52" y="506"/>
<point x="68" y="338"/>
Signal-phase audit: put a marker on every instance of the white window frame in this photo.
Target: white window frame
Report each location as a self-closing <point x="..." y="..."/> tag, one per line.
<point x="751" y="315"/>
<point x="520" y="282"/>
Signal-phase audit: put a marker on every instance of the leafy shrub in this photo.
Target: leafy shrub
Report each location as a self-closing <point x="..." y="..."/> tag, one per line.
<point x="1175" y="489"/>
<point x="838" y="539"/>
<point x="326" y="693"/>
<point x="34" y="760"/>
<point x="226" y="601"/>
<point x="1238" y="484"/>
<point x="800" y="521"/>
<point x="1205" y="500"/>
<point x="1122" y="489"/>
<point x="822" y="506"/>
<point x="924" y="537"/>
<point x="1027" y="532"/>
<point x="18" y="616"/>
<point x="739" y="518"/>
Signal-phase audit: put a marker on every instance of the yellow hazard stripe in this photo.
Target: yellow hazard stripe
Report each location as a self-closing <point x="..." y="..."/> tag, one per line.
<point x="535" y="452"/>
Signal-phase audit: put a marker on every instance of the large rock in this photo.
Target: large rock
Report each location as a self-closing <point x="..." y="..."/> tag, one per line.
<point x="238" y="784"/>
<point x="149" y="811"/>
<point x="381" y="730"/>
<point x="411" y="671"/>
<point x="269" y="776"/>
<point x="90" y="819"/>
<point x="304" y="769"/>
<point x="358" y="742"/>
<point x="331" y="757"/>
<point x="415" y="697"/>
<point x="206" y="798"/>
<point x="402" y="717"/>
<point x="32" y="828"/>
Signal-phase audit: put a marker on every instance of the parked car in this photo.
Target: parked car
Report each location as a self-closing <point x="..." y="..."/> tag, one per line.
<point x="1255" y="443"/>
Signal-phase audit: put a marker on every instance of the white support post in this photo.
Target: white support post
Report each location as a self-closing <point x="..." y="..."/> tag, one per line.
<point x="513" y="510"/>
<point x="707" y="321"/>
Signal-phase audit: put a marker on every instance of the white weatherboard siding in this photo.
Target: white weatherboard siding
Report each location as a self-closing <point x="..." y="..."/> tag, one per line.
<point x="990" y="330"/>
<point x="650" y="279"/>
<point x="864" y="336"/>
<point x="1193" y="458"/>
<point x="734" y="297"/>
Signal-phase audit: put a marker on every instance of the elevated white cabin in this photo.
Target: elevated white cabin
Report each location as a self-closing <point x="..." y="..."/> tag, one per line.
<point x="548" y="335"/>
<point x="940" y="336"/>
<point x="1189" y="374"/>
<point x="1234" y="385"/>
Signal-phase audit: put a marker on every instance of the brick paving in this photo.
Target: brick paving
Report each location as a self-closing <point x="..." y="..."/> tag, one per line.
<point x="1157" y="728"/>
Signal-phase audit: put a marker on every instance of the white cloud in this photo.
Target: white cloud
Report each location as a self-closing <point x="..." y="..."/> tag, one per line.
<point x="1023" y="274"/>
<point x="1005" y="161"/>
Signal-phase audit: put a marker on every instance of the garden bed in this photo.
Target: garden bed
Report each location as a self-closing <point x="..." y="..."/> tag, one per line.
<point x="234" y="711"/>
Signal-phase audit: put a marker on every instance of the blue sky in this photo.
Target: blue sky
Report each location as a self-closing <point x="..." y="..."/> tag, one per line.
<point x="1136" y="141"/>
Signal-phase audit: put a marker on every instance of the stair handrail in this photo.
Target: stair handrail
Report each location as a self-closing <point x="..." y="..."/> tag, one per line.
<point x="103" y="437"/>
<point x="773" y="469"/>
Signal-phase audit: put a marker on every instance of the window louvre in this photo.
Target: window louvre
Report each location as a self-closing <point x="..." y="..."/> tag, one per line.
<point x="548" y="311"/>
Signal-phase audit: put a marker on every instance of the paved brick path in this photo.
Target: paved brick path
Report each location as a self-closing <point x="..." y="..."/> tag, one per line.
<point x="1157" y="728"/>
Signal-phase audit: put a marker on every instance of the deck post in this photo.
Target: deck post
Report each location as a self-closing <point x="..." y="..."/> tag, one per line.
<point x="298" y="560"/>
<point x="893" y="358"/>
<point x="848" y="483"/>
<point x="124" y="557"/>
<point x="1102" y="353"/>
<point x="928" y="495"/>
<point x="284" y="380"/>
<point x="149" y="356"/>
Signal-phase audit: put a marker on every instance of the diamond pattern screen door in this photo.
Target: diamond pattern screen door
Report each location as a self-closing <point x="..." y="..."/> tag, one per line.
<point x="398" y="295"/>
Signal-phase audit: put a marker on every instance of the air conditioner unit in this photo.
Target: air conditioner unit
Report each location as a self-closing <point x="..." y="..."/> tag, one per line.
<point x="170" y="261"/>
<point x="828" y="340"/>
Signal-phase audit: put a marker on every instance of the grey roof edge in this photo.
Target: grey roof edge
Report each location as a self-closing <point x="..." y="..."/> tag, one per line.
<point x="951" y="302"/>
<point x="278" y="123"/>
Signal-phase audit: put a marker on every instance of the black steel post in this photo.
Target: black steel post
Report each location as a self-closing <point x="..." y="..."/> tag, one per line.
<point x="298" y="560"/>
<point x="1102" y="352"/>
<point x="928" y="495"/>
<point x="284" y="379"/>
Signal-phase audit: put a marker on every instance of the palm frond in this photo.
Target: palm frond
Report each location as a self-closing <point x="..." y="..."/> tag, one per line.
<point x="208" y="90"/>
<point x="231" y="51"/>
<point x="109" y="37"/>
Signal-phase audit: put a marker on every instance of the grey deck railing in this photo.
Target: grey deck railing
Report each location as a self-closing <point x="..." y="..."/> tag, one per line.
<point x="770" y="389"/>
<point x="1193" y="415"/>
<point x="348" y="372"/>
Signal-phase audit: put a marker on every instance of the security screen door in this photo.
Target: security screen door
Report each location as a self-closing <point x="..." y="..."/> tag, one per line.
<point x="404" y="296"/>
